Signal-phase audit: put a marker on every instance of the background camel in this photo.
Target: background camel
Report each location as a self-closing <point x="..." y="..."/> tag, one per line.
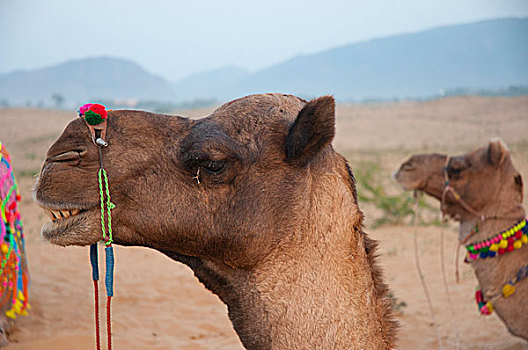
<point x="253" y="198"/>
<point x="487" y="180"/>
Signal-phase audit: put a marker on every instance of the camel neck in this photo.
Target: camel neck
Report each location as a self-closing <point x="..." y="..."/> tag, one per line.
<point x="321" y="300"/>
<point x="297" y="301"/>
<point x="492" y="272"/>
<point x="498" y="217"/>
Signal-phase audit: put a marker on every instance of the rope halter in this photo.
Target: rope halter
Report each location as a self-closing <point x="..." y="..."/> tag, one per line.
<point x="95" y="117"/>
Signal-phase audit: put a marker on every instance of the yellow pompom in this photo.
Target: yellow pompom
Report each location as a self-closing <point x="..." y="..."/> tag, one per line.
<point x="21" y="296"/>
<point x="5" y="248"/>
<point x="490" y="307"/>
<point x="508" y="290"/>
<point x="24" y="313"/>
<point x="503" y="244"/>
<point x="494" y="247"/>
<point x="524" y="239"/>
<point x="11" y="314"/>
<point x="517" y="244"/>
<point x="17" y="307"/>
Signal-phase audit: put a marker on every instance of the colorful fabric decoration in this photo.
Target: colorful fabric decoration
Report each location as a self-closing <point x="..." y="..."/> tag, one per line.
<point x="508" y="289"/>
<point x="93" y="113"/>
<point x="14" y="273"/>
<point x="506" y="241"/>
<point x="484" y="307"/>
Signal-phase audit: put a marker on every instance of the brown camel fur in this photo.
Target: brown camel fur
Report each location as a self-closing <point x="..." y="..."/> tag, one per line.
<point x="486" y="179"/>
<point x="252" y="198"/>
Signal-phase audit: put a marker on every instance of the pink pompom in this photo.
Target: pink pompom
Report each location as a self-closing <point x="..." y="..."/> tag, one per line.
<point x="84" y="108"/>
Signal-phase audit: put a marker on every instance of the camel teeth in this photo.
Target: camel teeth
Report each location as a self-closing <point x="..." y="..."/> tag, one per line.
<point x="55" y="215"/>
<point x="48" y="213"/>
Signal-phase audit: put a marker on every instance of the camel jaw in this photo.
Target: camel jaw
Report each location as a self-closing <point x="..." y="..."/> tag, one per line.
<point x="395" y="176"/>
<point x="70" y="226"/>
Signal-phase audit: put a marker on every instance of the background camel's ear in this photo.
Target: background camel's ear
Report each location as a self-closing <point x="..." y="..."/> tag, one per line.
<point x="313" y="129"/>
<point x="497" y="151"/>
<point x="519" y="183"/>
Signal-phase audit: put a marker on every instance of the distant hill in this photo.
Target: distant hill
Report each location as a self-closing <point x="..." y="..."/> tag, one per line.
<point x="213" y="84"/>
<point x="487" y="56"/>
<point x="491" y="54"/>
<point x="83" y="80"/>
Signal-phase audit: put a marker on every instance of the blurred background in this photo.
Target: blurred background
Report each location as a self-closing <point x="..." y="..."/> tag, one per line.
<point x="410" y="76"/>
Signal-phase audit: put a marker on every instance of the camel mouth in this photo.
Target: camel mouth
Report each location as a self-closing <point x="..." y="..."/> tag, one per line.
<point x="406" y="187"/>
<point x="55" y="215"/>
<point x="396" y="177"/>
<point x="70" y="226"/>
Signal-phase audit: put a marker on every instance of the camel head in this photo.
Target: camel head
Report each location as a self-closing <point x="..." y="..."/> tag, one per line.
<point x="485" y="178"/>
<point x="422" y="172"/>
<point x="229" y="186"/>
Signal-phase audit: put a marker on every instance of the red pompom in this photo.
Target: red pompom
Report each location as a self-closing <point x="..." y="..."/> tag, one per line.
<point x="18" y="198"/>
<point x="99" y="109"/>
<point x="478" y="296"/>
<point x="510" y="248"/>
<point x="518" y="234"/>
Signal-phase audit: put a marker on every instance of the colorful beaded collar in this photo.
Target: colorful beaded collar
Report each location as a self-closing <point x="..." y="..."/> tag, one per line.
<point x="485" y="306"/>
<point x="506" y="241"/>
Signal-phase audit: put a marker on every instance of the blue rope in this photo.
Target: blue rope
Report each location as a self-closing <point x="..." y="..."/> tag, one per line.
<point x="109" y="279"/>
<point x="94" y="261"/>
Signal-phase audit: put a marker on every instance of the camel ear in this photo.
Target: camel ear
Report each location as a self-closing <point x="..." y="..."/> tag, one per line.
<point x="313" y="129"/>
<point x="497" y="151"/>
<point x="519" y="183"/>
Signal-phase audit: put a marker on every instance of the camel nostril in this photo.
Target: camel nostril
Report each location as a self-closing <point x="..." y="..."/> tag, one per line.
<point x="67" y="156"/>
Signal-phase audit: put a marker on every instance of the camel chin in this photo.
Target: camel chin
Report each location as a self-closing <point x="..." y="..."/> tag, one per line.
<point x="402" y="179"/>
<point x="71" y="230"/>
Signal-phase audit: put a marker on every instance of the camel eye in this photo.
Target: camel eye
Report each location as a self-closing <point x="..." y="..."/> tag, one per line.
<point x="408" y="166"/>
<point x="214" y="166"/>
<point x="455" y="171"/>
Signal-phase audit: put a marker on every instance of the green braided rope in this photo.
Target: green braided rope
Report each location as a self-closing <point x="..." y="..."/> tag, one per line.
<point x="101" y="193"/>
<point x="109" y="206"/>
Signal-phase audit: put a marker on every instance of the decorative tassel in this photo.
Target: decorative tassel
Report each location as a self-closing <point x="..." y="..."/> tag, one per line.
<point x="507" y="290"/>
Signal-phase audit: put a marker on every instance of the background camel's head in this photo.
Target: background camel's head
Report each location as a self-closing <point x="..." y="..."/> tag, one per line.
<point x="228" y="186"/>
<point x="484" y="178"/>
<point x="422" y="172"/>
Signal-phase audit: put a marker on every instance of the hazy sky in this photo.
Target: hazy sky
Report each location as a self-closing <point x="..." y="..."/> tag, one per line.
<point x="176" y="38"/>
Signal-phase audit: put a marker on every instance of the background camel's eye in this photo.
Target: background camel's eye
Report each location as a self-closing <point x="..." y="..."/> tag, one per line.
<point x="214" y="166"/>
<point x="455" y="171"/>
<point x="408" y="166"/>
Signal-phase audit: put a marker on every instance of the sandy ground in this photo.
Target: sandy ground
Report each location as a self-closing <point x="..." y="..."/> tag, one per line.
<point x="160" y="305"/>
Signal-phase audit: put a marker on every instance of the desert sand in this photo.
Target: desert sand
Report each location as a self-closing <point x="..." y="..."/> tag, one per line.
<point x="159" y="304"/>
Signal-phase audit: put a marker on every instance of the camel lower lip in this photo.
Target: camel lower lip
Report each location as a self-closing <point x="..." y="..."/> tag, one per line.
<point x="72" y="230"/>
